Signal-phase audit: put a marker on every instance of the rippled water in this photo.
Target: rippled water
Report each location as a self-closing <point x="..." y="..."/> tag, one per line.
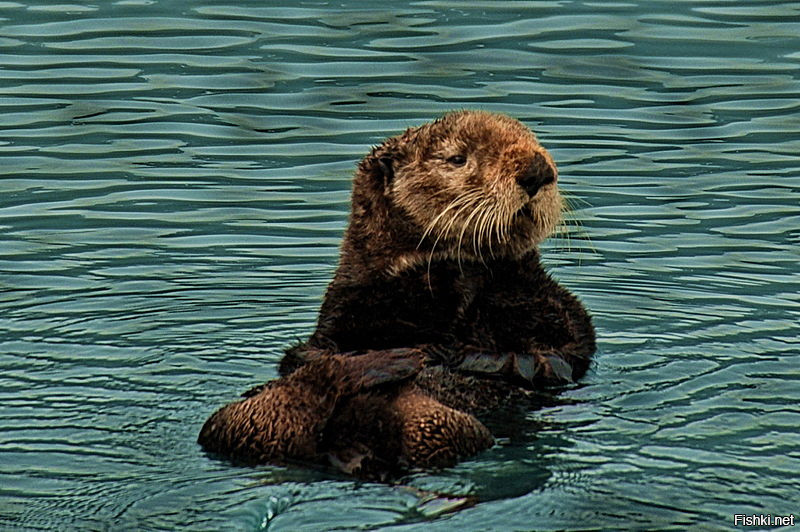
<point x="175" y="181"/>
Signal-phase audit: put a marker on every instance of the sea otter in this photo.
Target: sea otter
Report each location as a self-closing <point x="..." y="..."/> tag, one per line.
<point x="439" y="310"/>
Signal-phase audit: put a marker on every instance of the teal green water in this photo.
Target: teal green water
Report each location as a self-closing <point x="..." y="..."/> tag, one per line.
<point x="174" y="182"/>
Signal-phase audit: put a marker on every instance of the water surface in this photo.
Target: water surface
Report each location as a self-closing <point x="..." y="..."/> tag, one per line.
<point x="174" y="183"/>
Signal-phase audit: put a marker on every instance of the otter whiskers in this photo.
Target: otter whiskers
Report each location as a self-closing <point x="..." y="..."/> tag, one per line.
<point x="478" y="208"/>
<point x="458" y="203"/>
<point x="484" y="217"/>
<point x="461" y="203"/>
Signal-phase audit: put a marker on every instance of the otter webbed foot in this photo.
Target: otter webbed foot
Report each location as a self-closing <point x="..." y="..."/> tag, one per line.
<point x="555" y="367"/>
<point x="532" y="369"/>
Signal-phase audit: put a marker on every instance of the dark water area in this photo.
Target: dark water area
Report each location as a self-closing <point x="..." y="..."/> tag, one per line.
<point x="174" y="184"/>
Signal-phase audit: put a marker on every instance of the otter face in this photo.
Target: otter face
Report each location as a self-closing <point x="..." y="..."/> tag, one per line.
<point x="475" y="185"/>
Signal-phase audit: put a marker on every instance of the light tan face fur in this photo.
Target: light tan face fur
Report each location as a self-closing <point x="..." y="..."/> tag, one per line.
<point x="460" y="183"/>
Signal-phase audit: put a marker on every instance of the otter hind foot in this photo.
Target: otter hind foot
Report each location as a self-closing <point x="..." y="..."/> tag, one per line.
<point x="285" y="418"/>
<point x="435" y="435"/>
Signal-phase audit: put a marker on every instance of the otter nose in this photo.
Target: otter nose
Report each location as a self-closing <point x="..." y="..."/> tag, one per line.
<point x="538" y="174"/>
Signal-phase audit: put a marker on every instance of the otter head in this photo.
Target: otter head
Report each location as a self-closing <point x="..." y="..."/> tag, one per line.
<point x="470" y="186"/>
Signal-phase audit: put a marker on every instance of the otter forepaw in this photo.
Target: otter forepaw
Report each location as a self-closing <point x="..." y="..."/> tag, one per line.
<point x="378" y="367"/>
<point x="442" y="355"/>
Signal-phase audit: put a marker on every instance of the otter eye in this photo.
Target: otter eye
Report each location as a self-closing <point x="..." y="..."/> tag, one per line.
<point x="457" y="160"/>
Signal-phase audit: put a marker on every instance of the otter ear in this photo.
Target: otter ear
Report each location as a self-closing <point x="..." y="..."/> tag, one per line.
<point x="387" y="167"/>
<point x="382" y="163"/>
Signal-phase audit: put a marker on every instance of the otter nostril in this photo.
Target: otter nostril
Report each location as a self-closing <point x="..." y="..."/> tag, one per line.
<point x="538" y="174"/>
<point x="531" y="183"/>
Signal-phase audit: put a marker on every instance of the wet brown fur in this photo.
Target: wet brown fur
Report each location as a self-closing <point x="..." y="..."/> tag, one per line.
<point x="439" y="261"/>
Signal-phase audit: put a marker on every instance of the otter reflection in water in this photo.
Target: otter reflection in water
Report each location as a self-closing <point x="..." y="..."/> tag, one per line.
<point x="439" y="311"/>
